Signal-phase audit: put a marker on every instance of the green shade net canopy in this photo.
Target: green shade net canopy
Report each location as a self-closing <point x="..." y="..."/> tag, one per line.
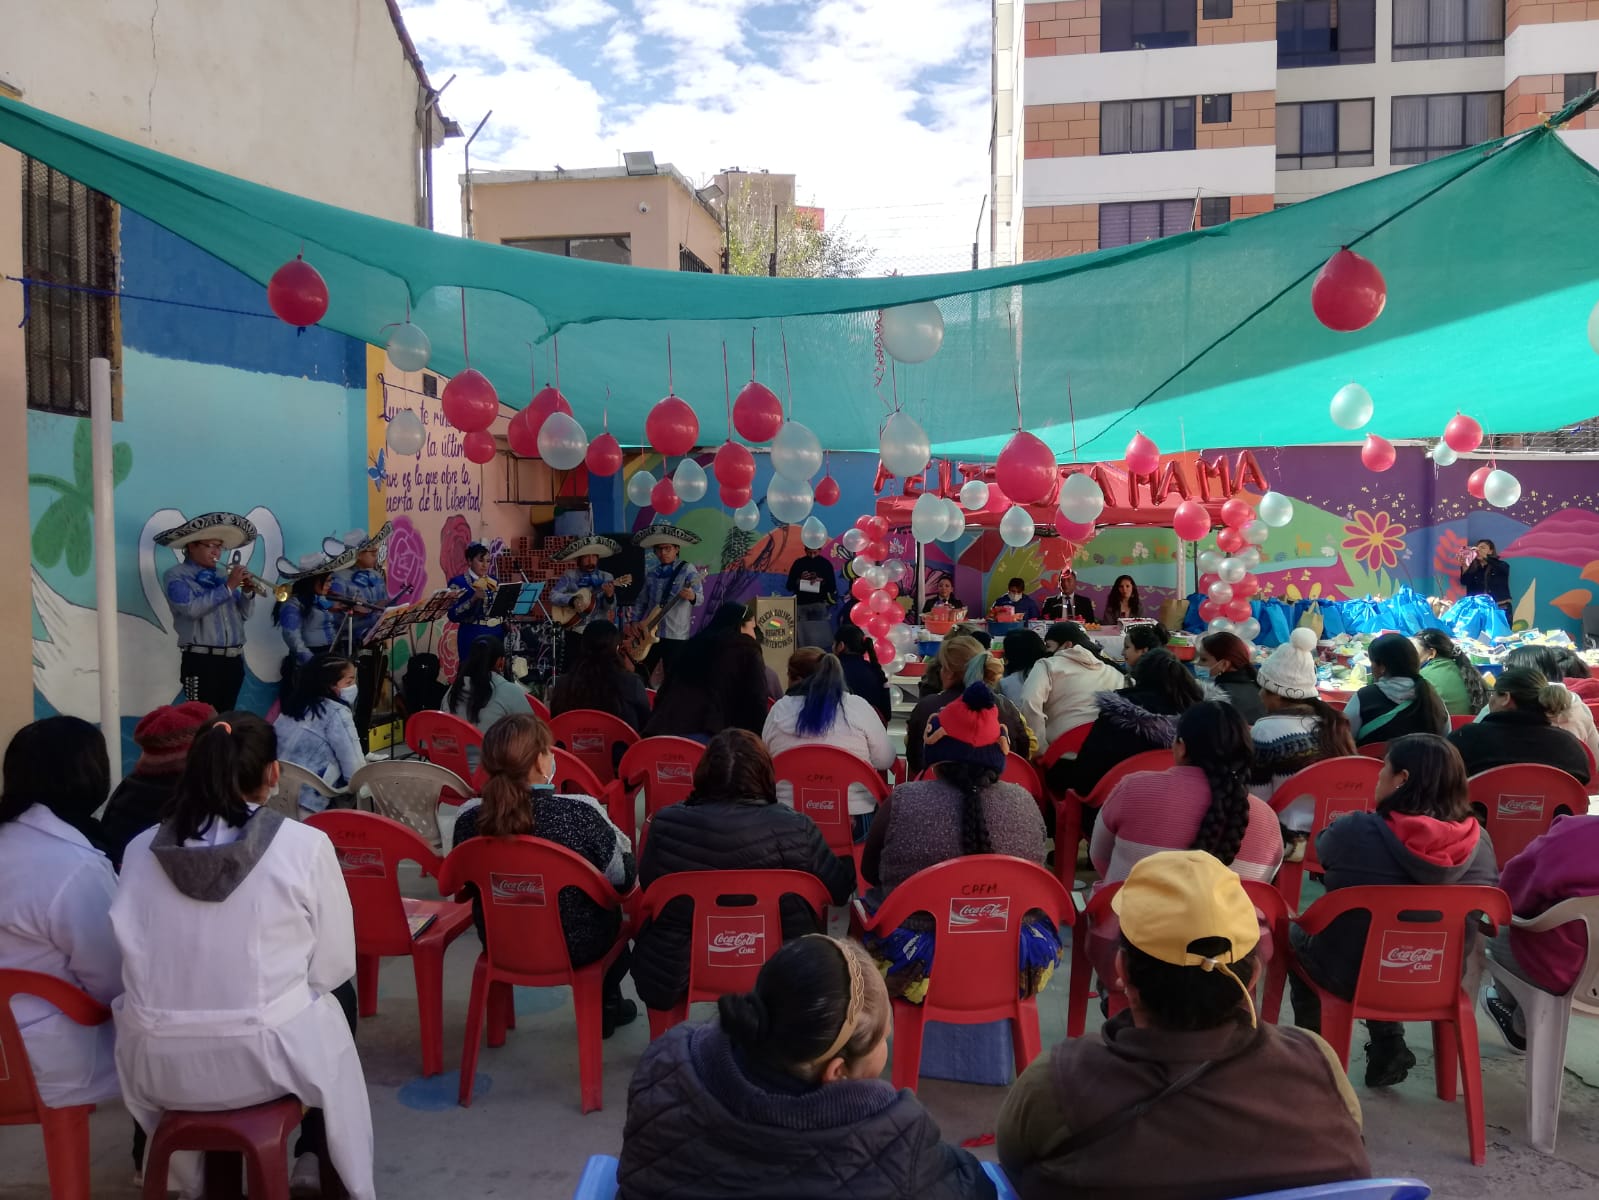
<point x="1201" y="340"/>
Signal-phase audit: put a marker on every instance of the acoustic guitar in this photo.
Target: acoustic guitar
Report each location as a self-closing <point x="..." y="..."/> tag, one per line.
<point x="568" y="615"/>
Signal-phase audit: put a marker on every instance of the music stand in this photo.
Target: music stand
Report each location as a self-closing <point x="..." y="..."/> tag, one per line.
<point x="504" y="603"/>
<point x="401" y="618"/>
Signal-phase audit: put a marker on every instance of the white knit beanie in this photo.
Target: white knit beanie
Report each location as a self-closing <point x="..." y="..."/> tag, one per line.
<point x="1291" y="669"/>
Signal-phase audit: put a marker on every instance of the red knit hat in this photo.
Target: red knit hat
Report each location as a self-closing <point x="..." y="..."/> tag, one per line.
<point x="967" y="729"/>
<point x="165" y="734"/>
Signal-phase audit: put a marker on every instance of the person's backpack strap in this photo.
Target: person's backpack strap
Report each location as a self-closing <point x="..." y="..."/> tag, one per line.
<point x="1106" y="1126"/>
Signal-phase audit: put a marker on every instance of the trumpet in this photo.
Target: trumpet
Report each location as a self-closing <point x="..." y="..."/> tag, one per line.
<point x="279" y="592"/>
<point x="484" y="583"/>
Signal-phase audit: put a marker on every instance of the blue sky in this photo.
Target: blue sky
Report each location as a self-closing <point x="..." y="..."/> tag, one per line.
<point x="880" y="107"/>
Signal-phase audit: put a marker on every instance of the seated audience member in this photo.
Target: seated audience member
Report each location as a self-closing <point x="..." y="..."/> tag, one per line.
<point x="480" y="695"/>
<point x="1579" y="679"/>
<point x="1223" y="658"/>
<point x="1123" y="600"/>
<point x="1189" y="1039"/>
<point x="1140" y="640"/>
<point x="943" y="596"/>
<point x="963" y="809"/>
<point x="717" y="681"/>
<point x="55" y="905"/>
<point x="1452" y="675"/>
<point x="862" y="675"/>
<point x="600" y="680"/>
<point x="236" y="929"/>
<point x="1299" y="729"/>
<point x="731" y="821"/>
<point x="822" y="713"/>
<point x="781" y="1096"/>
<point x="1561" y="864"/>
<point x="962" y="661"/>
<point x="1142" y="717"/>
<point x="1519" y="729"/>
<point x="1422" y="833"/>
<point x="1023" y="648"/>
<point x="163" y="736"/>
<point x="1023" y="606"/>
<point x="1398" y="700"/>
<point x="316" y="726"/>
<point x="1059" y="692"/>
<point x="519" y="798"/>
<point x="1577" y="719"/>
<point x="1066" y="604"/>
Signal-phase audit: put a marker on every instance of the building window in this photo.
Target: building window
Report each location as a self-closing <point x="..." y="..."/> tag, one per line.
<point x="1429" y="127"/>
<point x="1145" y="126"/>
<point x="1216" y="110"/>
<point x="1325" y="133"/>
<point x="430" y="385"/>
<point x="1448" y="29"/>
<point x="1578" y="86"/>
<point x="687" y="260"/>
<point x="1326" y="33"/>
<point x="1146" y="24"/>
<point x="609" y="247"/>
<point x="1215" y="210"/>
<point x="69" y="236"/>
<point x="1218" y="10"/>
<point x="1143" y="221"/>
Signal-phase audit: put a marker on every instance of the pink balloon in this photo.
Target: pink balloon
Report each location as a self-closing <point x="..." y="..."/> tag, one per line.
<point x="1190" y="521"/>
<point x="1206" y="580"/>
<point x="859" y="614"/>
<point x="1231" y="541"/>
<point x="879" y="602"/>
<point x="1349" y="292"/>
<point x="896" y="614"/>
<point x="734" y="465"/>
<point x="864" y="524"/>
<point x="1210" y="610"/>
<point x="478" y="446"/>
<point x="1475" y="484"/>
<point x="876" y="551"/>
<point x="1074" y="531"/>
<point x="861" y="590"/>
<point x="827" y="491"/>
<point x="877" y="625"/>
<point x="1236" y="513"/>
<point x="886" y="650"/>
<point x="1462" y="434"/>
<point x="1237" y="610"/>
<point x="998" y="501"/>
<point x="757" y="413"/>
<point x="523" y="430"/>
<point x="470" y="401"/>
<point x="733" y="497"/>
<point x="664" y="498"/>
<point x="1246" y="587"/>
<point x="1378" y="453"/>
<point x="1143" y="456"/>
<point x="891" y="590"/>
<point x="876" y="528"/>
<point x="604" y="456"/>
<point x="1025" y="469"/>
<point x="671" y="426"/>
<point x="297" y="293"/>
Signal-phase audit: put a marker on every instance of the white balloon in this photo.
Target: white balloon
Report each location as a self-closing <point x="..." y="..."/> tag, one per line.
<point x="689" y="479"/>
<point x="406" y="435"/>
<point x="974" y="495"/>
<point x="1221" y="625"/>
<point x="955" y="522"/>
<point x="813" y="533"/>
<point x="1016" y="527"/>
<point x="1444" y="454"/>
<point x="796" y="454"/>
<point x="789" y="500"/>
<point x="1209" y="560"/>
<point x="927" y="517"/>
<point x="408" y="347"/>
<point x="903" y="446"/>
<point x="895" y="570"/>
<point x="1231" y="570"/>
<point x="1220" y="591"/>
<point x="562" y="442"/>
<point x="853" y="539"/>
<point x="1248" y="629"/>
<point x="1501" y="489"/>
<point x="1351" y="406"/>
<point x="874" y="575"/>
<point x="901" y="635"/>
<point x="1255" y="533"/>
<point x="1276" y="509"/>
<point x="639" y="487"/>
<point x="912" y="333"/>
<point x="1250" y="556"/>
<point x="1080" y="498"/>
<point x="747" y="516"/>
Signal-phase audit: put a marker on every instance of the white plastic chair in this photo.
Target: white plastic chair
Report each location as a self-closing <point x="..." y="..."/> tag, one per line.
<point x="1548" y="1016"/>
<point x="291" y="777"/>
<point x="408" y="790"/>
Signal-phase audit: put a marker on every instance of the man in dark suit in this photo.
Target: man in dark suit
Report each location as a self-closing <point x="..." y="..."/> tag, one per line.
<point x="1067" y="605"/>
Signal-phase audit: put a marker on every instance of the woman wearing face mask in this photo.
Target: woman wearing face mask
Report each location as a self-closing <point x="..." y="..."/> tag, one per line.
<point x="781" y="1097"/>
<point x="1452" y="675"/>
<point x="316" y="726"/>
<point x="1223" y="658"/>
<point x="519" y="799"/>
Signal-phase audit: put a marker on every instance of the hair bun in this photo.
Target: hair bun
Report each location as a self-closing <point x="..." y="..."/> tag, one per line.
<point x="1303" y="638"/>
<point x="744" y="1018"/>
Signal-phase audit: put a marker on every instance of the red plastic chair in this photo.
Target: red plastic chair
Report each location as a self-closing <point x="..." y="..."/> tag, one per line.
<point x="237" y="1143"/>
<point x="1519" y="802"/>
<point x="66" y="1130"/>
<point x="442" y="738"/>
<point x="540" y="709"/>
<point x="650" y="693"/>
<point x="1069" y="742"/>
<point x="370" y="850"/>
<point x="820" y="777"/>
<point x="592" y="736"/>
<point x="737" y="926"/>
<point x="573" y="777"/>
<point x="1376" y="750"/>
<point x="1018" y="771"/>
<point x="1340" y="786"/>
<point x="518" y="880"/>
<point x="1069" y="808"/>
<point x="1460" y="722"/>
<point x="977" y="904"/>
<point x="1269" y="907"/>
<point x="1410" y="970"/>
<point x="664" y="768"/>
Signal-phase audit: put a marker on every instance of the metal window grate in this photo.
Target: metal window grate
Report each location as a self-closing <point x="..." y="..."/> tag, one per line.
<point x="69" y="236"/>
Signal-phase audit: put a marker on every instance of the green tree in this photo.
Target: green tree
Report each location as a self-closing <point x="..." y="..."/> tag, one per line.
<point x="803" y="250"/>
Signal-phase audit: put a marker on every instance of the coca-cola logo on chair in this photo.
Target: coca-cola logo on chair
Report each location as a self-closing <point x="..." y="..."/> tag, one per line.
<point x="516" y="890"/>
<point x="979" y="916"/>
<point x="825" y="806"/>
<point x="1412" y="957"/>
<point x="735" y="941"/>
<point x="674" y="772"/>
<point x="588" y="743"/>
<point x="1520" y="808"/>
<point x="361" y="862"/>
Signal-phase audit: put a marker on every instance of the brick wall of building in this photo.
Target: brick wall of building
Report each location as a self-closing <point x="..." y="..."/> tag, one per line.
<point x="1067" y="28"/>
<point x="1532" y="99"/>
<point x="1062" y="229"/>
<point x="1254" y="123"/>
<point x="1530" y="12"/>
<point x="1061" y="130"/>
<point x="1252" y="21"/>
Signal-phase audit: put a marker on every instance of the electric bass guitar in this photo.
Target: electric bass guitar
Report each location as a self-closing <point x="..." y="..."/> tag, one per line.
<point x="568" y="615"/>
<point x="638" y="645"/>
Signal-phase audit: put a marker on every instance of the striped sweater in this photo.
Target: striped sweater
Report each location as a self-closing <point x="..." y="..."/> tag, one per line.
<point x="1151" y="811"/>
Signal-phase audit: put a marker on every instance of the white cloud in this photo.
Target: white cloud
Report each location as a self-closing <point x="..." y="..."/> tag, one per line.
<point x="839" y="101"/>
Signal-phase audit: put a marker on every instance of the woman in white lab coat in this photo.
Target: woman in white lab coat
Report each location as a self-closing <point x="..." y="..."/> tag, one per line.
<point x="235" y="928"/>
<point x="55" y="902"/>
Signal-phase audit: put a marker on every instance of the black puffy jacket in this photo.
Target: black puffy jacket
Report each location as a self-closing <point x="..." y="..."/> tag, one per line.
<point x="724" y="835"/>
<point x="700" y="1127"/>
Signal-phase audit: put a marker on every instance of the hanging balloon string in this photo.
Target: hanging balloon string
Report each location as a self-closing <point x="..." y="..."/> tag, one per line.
<point x="752" y="351"/>
<point x="788" y="381"/>
<point x="1016" y="386"/>
<point x="893" y="387"/>
<point x="532" y="369"/>
<point x="555" y="341"/>
<point x="1071" y="409"/>
<point x="727" y="390"/>
<point x="877" y="349"/>
<point x="28" y="284"/>
<point x="395" y="324"/>
<point x="466" y="352"/>
<point x="670" y="390"/>
<point x="400" y="387"/>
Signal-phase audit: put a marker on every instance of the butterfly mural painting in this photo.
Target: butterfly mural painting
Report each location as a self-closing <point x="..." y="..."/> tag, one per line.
<point x="376" y="471"/>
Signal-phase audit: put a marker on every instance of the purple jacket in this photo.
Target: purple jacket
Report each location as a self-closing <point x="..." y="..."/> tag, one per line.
<point x="1560" y="865"/>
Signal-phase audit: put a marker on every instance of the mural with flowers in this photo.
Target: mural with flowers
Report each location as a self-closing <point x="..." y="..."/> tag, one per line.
<point x="1375" y="539"/>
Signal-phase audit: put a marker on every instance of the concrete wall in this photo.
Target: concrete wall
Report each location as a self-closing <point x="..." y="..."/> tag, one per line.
<point x="16" y="696"/>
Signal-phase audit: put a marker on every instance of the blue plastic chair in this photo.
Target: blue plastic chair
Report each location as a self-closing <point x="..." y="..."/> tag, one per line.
<point x="1001" y="1185"/>
<point x="1354" y="1189"/>
<point x="598" y="1181"/>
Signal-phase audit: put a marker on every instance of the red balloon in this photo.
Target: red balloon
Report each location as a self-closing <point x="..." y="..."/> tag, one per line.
<point x="757" y="413"/>
<point x="864" y="524"/>
<point x="1478" y="478"/>
<point x="523" y="430"/>
<point x="1230" y="541"/>
<point x="877" y="551"/>
<point x="859" y="614"/>
<point x="1025" y="469"/>
<point x="734" y="465"/>
<point x="604" y="456"/>
<point x="1462" y="434"/>
<point x="523" y="443"/>
<point x="1143" y="456"/>
<point x="478" y="446"/>
<point x="877" y="529"/>
<point x="892" y="590"/>
<point x="1190" y="521"/>
<point x="827" y="491"/>
<point x="1206" y="580"/>
<point x="470" y="401"/>
<point x="879" y="602"/>
<point x="877" y="625"/>
<point x="1349" y="292"/>
<point x="1236" y="513"/>
<point x="998" y="501"/>
<point x="1209" y="610"/>
<point x="1238" y="610"/>
<point x="297" y="293"/>
<point x="1246" y="587"/>
<point x="886" y="650"/>
<point x="664" y="498"/>
<point x="734" y="497"/>
<point x="672" y="427"/>
<point x="861" y="590"/>
<point x="1080" y="532"/>
<point x="1378" y="453"/>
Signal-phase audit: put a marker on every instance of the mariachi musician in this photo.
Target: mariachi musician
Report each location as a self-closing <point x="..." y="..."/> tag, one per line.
<point x="210" y="605"/>
<point x="306" y="616"/>
<point x="363" y="590"/>
<point x="664" y="608"/>
<point x="470" y="612"/>
<point x="584" y="588"/>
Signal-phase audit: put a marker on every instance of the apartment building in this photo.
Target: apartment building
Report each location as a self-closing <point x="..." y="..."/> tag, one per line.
<point x="1123" y="120"/>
